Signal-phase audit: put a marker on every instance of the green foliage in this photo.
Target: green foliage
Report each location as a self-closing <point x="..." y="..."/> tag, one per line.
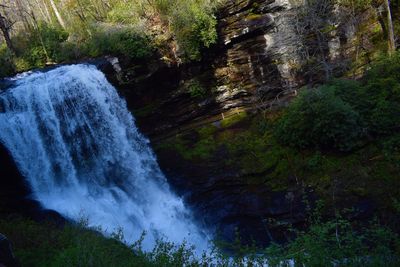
<point x="336" y="242"/>
<point x="35" y="49"/>
<point x="332" y="242"/>
<point x="192" y="23"/>
<point x="195" y="30"/>
<point x="125" y="12"/>
<point x="131" y="29"/>
<point x="233" y="119"/>
<point x="52" y="38"/>
<point x="43" y="244"/>
<point x="196" y="89"/>
<point x="320" y="119"/>
<point x="6" y="61"/>
<point x="49" y="44"/>
<point x="326" y="243"/>
<point x="43" y="45"/>
<point x="21" y="64"/>
<point x="36" y="57"/>
<point x="341" y="114"/>
<point x="124" y="42"/>
<point x="382" y="87"/>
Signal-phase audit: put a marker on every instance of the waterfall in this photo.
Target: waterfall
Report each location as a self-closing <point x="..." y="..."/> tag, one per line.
<point x="77" y="145"/>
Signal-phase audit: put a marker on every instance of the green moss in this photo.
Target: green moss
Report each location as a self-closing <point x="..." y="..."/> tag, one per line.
<point x="196" y="89"/>
<point x="234" y="119"/>
<point x="207" y="131"/>
<point x="202" y="149"/>
<point x="253" y="16"/>
<point x="146" y="110"/>
<point x="251" y="149"/>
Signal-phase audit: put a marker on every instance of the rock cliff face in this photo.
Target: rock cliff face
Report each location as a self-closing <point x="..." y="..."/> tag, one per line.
<point x="263" y="56"/>
<point x="261" y="60"/>
<point x="15" y="195"/>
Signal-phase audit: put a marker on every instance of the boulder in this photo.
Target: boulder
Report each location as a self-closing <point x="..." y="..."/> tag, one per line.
<point x="15" y="194"/>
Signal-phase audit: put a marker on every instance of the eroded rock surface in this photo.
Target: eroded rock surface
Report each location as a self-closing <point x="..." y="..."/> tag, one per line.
<point x="258" y="62"/>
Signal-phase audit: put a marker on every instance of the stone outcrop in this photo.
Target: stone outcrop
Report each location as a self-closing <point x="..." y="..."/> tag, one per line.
<point x="257" y="63"/>
<point x="15" y="194"/>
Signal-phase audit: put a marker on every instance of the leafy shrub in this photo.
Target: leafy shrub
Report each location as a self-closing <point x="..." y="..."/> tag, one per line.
<point x="320" y="119"/>
<point x="124" y="42"/>
<point x="21" y="64"/>
<point x="339" y="114"/>
<point x="52" y="38"/>
<point x="69" y="51"/>
<point x="333" y="242"/>
<point x="35" y="48"/>
<point x="192" y="22"/>
<point x="44" y="44"/>
<point x="336" y="243"/>
<point x="6" y="62"/>
<point x="36" y="56"/>
<point x="44" y="244"/>
<point x="125" y="12"/>
<point x="196" y="89"/>
<point x="195" y="28"/>
<point x="382" y="87"/>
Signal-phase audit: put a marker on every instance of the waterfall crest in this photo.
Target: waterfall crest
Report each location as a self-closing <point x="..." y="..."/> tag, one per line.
<point x="78" y="147"/>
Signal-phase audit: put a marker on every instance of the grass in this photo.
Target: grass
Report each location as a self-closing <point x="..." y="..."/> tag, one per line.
<point x="333" y="242"/>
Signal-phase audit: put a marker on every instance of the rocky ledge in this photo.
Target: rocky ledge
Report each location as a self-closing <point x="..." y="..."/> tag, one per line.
<point x="257" y="64"/>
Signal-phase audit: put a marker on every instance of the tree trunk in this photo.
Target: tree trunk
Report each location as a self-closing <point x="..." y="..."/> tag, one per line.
<point x="391" y="43"/>
<point x="22" y="15"/>
<point x="45" y="18"/>
<point x="6" y="33"/>
<point x="381" y="20"/>
<point x="58" y="15"/>
<point x="37" y="29"/>
<point x="47" y="11"/>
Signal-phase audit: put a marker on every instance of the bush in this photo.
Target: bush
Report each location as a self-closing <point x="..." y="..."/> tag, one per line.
<point x="44" y="44"/>
<point x="6" y="62"/>
<point x="382" y="87"/>
<point x="340" y="114"/>
<point x="69" y="51"/>
<point x="192" y="22"/>
<point x="36" y="57"/>
<point x="126" y="12"/>
<point x="196" y="89"/>
<point x="125" y="42"/>
<point x="35" y="48"/>
<point x="195" y="28"/>
<point x="45" y="244"/>
<point x="334" y="242"/>
<point x="52" y="38"/>
<point x="21" y="64"/>
<point x="337" y="243"/>
<point x="320" y="119"/>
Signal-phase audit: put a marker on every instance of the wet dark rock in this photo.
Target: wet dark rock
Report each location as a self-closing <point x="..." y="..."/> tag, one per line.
<point x="254" y="65"/>
<point x="222" y="201"/>
<point x="15" y="194"/>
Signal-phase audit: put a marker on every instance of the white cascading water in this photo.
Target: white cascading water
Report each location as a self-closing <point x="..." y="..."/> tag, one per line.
<point x="76" y="143"/>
